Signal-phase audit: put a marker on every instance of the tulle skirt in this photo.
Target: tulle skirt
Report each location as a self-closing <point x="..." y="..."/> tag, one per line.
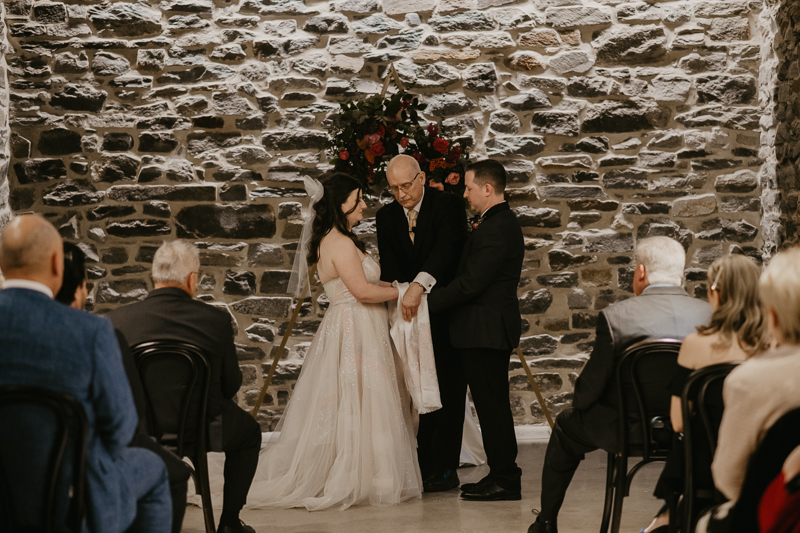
<point x="346" y="436"/>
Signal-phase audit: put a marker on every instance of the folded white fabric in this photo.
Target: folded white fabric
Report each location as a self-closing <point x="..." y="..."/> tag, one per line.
<point x="415" y="348"/>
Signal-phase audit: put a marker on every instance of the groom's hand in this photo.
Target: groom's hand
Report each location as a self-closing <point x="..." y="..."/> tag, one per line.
<point x="411" y="301"/>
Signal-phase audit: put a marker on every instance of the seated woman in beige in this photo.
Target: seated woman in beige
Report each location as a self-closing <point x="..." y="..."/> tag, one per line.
<point x="736" y="332"/>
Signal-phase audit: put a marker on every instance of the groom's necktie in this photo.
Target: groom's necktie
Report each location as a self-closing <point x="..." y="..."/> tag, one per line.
<point x="412" y="223"/>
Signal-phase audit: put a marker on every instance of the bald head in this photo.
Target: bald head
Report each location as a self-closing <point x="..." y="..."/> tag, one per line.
<point x="406" y="180"/>
<point x="31" y="248"/>
<point x="403" y="167"/>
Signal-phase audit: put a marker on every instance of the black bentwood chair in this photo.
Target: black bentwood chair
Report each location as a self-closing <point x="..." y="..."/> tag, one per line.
<point x="702" y="407"/>
<point x="643" y="377"/>
<point x="42" y="460"/>
<point x="176" y="376"/>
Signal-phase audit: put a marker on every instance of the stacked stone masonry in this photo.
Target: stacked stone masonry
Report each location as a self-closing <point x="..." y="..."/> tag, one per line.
<point x="131" y="123"/>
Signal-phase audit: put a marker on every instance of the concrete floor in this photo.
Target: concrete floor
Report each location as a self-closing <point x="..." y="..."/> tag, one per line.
<point x="446" y="512"/>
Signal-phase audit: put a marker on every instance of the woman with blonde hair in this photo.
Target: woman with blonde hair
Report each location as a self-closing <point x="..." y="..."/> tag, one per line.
<point x="737" y="331"/>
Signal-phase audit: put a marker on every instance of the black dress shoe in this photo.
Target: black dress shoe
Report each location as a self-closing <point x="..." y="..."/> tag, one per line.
<point x="543" y="526"/>
<point x="241" y="527"/>
<point x="491" y="492"/>
<point x="441" y="481"/>
<point x="472" y="487"/>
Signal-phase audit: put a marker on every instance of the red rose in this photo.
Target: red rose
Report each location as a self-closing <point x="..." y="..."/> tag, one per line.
<point x="404" y="142"/>
<point x="371" y="176"/>
<point x="381" y="130"/>
<point x="417" y="156"/>
<point x="441" y="145"/>
<point x="377" y="149"/>
<point x="453" y="178"/>
<point x="344" y="155"/>
<point x="433" y="131"/>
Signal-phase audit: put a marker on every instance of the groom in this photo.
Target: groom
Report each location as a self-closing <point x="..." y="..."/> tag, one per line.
<point x="485" y="323"/>
<point x="420" y="236"/>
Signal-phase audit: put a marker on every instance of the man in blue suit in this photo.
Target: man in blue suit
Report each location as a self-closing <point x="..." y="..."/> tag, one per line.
<point x="51" y="345"/>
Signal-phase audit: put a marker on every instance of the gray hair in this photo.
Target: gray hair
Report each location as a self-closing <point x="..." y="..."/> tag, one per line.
<point x="174" y="261"/>
<point x="663" y="258"/>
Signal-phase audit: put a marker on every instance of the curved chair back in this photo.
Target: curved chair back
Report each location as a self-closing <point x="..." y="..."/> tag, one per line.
<point x="701" y="406"/>
<point x="644" y="374"/>
<point x="42" y="460"/>
<point x="175" y="376"/>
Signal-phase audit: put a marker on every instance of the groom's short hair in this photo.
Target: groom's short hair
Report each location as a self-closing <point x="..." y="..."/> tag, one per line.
<point x="491" y="172"/>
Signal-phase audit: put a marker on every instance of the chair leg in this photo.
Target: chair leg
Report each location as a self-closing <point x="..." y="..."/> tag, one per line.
<point x="619" y="491"/>
<point x="609" y="502"/>
<point x="205" y="492"/>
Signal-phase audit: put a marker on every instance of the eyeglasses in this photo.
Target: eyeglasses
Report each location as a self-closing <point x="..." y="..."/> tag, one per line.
<point x="405" y="187"/>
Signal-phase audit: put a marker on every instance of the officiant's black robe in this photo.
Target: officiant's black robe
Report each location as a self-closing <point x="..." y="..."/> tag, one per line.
<point x="439" y="237"/>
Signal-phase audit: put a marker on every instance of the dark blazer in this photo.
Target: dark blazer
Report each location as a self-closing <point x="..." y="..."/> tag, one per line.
<point x="171" y="314"/>
<point x="438" y="239"/>
<point x="48" y="344"/>
<point x="482" y="300"/>
<point x="659" y="312"/>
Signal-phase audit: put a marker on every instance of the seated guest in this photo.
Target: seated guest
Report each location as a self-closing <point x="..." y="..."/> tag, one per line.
<point x="763" y="388"/>
<point x="79" y="354"/>
<point x="171" y="313"/>
<point x="73" y="293"/>
<point x="662" y="308"/>
<point x="736" y="331"/>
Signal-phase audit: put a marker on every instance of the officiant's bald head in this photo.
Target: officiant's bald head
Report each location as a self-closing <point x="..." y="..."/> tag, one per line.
<point x="406" y="180"/>
<point x="31" y="248"/>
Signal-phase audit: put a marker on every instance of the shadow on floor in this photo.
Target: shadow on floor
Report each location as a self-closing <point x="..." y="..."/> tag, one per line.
<point x="446" y="512"/>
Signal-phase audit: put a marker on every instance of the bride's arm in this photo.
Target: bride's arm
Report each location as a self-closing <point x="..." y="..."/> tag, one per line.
<point x="346" y="259"/>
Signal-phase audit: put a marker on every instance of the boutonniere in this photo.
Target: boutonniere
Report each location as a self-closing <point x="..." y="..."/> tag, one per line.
<point x="474" y="222"/>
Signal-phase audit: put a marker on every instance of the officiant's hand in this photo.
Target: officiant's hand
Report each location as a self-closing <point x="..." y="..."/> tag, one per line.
<point x="411" y="301"/>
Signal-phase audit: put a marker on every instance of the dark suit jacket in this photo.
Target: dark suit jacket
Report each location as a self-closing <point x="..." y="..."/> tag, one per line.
<point x="659" y="312"/>
<point x="482" y="300"/>
<point x="48" y="344"/>
<point x="438" y="240"/>
<point x="171" y="314"/>
<point x="439" y="236"/>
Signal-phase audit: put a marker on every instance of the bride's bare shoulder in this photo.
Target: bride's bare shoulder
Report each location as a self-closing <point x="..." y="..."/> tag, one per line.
<point x="335" y="242"/>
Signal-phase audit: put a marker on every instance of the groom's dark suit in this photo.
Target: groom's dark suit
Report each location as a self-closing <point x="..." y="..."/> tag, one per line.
<point x="485" y="326"/>
<point x="438" y="239"/>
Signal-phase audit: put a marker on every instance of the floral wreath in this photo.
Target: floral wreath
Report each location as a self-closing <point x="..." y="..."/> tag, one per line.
<point x="366" y="134"/>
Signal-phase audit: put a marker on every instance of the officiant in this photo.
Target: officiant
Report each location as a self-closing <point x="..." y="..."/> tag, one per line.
<point x="420" y="239"/>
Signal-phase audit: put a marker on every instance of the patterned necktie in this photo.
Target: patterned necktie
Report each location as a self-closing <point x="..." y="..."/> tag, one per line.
<point x="412" y="223"/>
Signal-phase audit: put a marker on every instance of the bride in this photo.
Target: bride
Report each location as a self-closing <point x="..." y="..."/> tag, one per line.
<point x="346" y="436"/>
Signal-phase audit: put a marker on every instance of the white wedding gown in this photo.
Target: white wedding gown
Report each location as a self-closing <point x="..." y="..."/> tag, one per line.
<point x="346" y="436"/>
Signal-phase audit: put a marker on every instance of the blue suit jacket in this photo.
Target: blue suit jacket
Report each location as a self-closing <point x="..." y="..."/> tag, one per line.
<point x="48" y="344"/>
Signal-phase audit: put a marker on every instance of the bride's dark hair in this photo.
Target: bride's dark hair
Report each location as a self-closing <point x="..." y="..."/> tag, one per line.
<point x="337" y="188"/>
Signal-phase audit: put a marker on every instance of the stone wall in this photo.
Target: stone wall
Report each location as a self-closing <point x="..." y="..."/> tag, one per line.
<point x="5" y="208"/>
<point x="782" y="185"/>
<point x="136" y="122"/>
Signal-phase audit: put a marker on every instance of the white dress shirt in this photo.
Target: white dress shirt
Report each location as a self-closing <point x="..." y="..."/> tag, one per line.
<point x="423" y="278"/>
<point x="28" y="284"/>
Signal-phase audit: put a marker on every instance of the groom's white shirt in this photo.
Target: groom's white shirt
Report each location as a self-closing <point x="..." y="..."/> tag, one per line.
<point x="423" y="278"/>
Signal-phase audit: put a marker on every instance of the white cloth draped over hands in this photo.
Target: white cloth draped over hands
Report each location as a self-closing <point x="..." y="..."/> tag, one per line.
<point x="415" y="348"/>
